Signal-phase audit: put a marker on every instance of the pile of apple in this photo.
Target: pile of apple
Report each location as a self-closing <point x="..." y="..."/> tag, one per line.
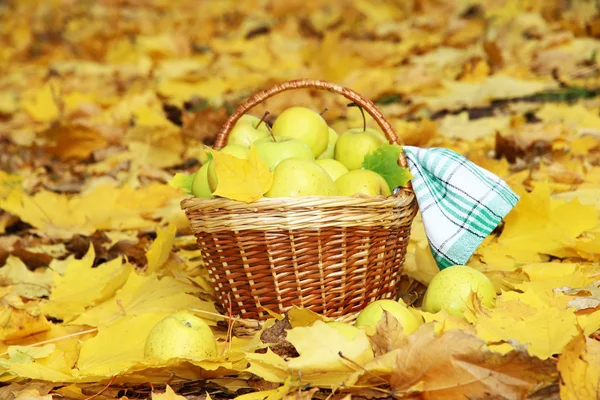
<point x="305" y="155"/>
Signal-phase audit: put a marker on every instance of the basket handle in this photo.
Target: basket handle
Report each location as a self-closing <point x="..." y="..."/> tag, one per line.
<point x="350" y="94"/>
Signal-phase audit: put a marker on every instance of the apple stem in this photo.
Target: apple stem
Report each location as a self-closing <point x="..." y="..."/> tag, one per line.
<point x="262" y="119"/>
<point x="271" y="132"/>
<point x="353" y="104"/>
<point x="324" y="111"/>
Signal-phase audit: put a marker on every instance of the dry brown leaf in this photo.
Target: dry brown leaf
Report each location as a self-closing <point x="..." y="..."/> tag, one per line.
<point x="458" y="365"/>
<point x="388" y="336"/>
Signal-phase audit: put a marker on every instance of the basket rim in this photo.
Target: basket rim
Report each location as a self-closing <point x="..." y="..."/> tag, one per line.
<point x="404" y="197"/>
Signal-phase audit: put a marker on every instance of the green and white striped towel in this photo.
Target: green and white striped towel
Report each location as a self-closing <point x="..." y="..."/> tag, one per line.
<point x="460" y="202"/>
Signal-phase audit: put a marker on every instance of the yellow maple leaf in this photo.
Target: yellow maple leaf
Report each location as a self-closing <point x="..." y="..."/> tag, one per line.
<point x="102" y="355"/>
<point x="590" y="323"/>
<point x="544" y="332"/>
<point x="579" y="367"/>
<point x="82" y="286"/>
<point x="160" y="248"/>
<point x="145" y="294"/>
<point x="538" y="225"/>
<point x="101" y="207"/>
<point x="40" y="103"/>
<point x="319" y="346"/>
<point x="243" y="180"/>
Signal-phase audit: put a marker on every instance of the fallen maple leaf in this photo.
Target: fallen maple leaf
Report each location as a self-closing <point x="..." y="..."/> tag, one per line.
<point x="82" y="286"/>
<point x="537" y="226"/>
<point x="459" y="365"/>
<point x="543" y="330"/>
<point x="320" y="346"/>
<point x="579" y="368"/>
<point x="160" y="248"/>
<point x="242" y="180"/>
<point x="142" y="295"/>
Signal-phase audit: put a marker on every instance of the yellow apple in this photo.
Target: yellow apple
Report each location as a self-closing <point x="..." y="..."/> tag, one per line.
<point x="329" y="151"/>
<point x="303" y="124"/>
<point x="362" y="181"/>
<point x="235" y="150"/>
<point x="353" y="144"/>
<point x="200" y="187"/>
<point x="334" y="168"/>
<point x="181" y="335"/>
<point x="450" y="289"/>
<point x="245" y="131"/>
<point x="372" y="313"/>
<point x="296" y="177"/>
<point x="273" y="152"/>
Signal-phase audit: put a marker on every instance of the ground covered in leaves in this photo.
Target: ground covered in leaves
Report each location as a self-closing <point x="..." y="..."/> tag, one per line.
<point x="101" y="103"/>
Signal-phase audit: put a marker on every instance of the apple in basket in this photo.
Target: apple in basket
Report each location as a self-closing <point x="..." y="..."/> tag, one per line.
<point x="307" y="158"/>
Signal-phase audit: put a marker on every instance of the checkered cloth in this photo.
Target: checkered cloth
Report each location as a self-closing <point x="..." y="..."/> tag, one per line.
<point x="460" y="202"/>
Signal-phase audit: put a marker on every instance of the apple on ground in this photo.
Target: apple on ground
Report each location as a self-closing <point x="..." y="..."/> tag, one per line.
<point x="329" y="151"/>
<point x="362" y="181"/>
<point x="451" y="287"/>
<point x="235" y="150"/>
<point x="371" y="314"/>
<point x="303" y="124"/>
<point x="181" y="335"/>
<point x="273" y="150"/>
<point x="245" y="131"/>
<point x="200" y="187"/>
<point x="296" y="177"/>
<point x="334" y="168"/>
<point x="353" y="144"/>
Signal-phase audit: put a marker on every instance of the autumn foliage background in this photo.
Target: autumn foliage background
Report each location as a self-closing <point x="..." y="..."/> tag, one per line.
<point x="102" y="102"/>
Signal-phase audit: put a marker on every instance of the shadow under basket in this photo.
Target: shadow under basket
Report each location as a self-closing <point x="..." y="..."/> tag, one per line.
<point x="331" y="254"/>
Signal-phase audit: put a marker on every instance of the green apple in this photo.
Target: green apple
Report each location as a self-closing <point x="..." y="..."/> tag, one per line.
<point x="273" y="152"/>
<point x="235" y="150"/>
<point x="181" y="335"/>
<point x="329" y="151"/>
<point x="296" y="177"/>
<point x="362" y="181"/>
<point x="200" y="187"/>
<point x="372" y="313"/>
<point x="334" y="168"/>
<point x="303" y="124"/>
<point x="245" y="131"/>
<point x="450" y="289"/>
<point x="353" y="144"/>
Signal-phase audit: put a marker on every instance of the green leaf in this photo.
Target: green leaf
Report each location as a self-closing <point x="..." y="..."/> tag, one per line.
<point x="183" y="181"/>
<point x="384" y="161"/>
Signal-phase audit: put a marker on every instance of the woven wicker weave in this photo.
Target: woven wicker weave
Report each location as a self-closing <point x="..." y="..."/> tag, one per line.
<point x="333" y="255"/>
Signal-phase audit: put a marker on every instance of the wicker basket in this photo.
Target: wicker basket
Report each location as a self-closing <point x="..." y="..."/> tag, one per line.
<point x="333" y="255"/>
